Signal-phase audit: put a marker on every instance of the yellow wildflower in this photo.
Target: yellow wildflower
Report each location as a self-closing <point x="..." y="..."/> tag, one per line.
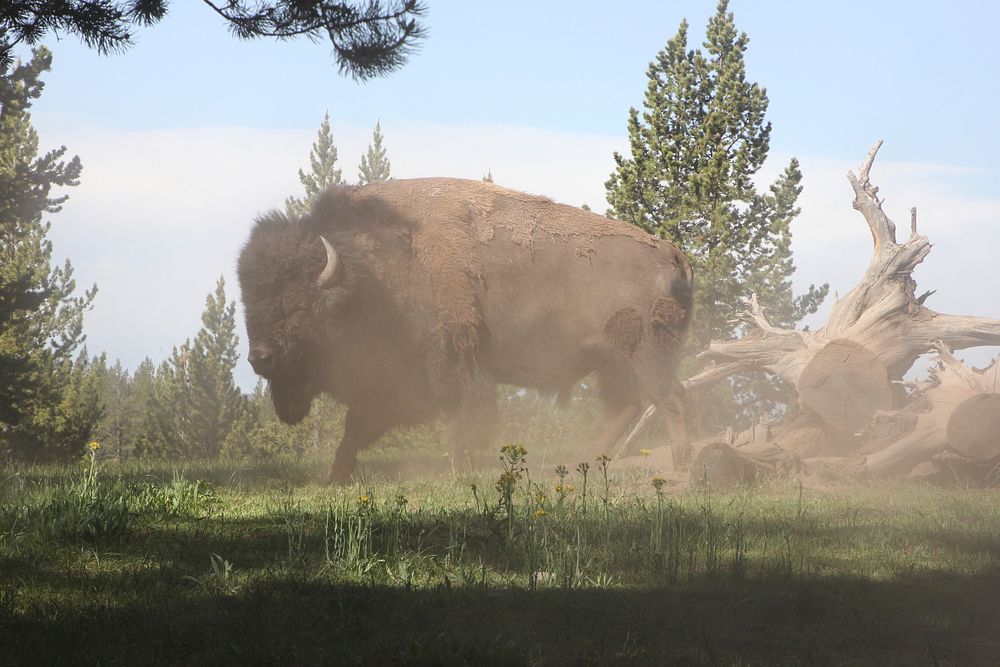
<point x="645" y="452"/>
<point x="538" y="513"/>
<point x="514" y="451"/>
<point x="94" y="445"/>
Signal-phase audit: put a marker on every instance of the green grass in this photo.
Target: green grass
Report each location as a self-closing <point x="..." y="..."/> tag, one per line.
<point x="215" y="564"/>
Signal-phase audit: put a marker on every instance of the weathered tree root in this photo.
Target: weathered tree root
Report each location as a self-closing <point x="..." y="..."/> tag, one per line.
<point x="846" y="370"/>
<point x="849" y="372"/>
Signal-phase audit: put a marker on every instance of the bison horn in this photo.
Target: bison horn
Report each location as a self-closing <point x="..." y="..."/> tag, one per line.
<point x="330" y="270"/>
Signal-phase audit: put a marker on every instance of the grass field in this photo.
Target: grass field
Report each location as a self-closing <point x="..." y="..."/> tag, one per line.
<point x="209" y="564"/>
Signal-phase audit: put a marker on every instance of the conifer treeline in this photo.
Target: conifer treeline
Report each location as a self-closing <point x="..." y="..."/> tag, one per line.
<point x="55" y="397"/>
<point x="189" y="406"/>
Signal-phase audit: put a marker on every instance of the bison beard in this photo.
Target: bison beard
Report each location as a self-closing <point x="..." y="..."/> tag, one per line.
<point x="291" y="400"/>
<point x="409" y="299"/>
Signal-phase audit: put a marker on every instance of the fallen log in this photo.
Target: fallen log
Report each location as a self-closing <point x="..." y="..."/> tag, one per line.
<point x="963" y="416"/>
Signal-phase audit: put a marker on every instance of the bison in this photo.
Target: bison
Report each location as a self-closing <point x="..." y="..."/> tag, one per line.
<point x="409" y="299"/>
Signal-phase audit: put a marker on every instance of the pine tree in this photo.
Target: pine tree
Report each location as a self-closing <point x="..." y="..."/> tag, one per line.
<point x="375" y="163"/>
<point x="41" y="321"/>
<point x="142" y="401"/>
<point x="75" y="420"/>
<point x="187" y="406"/>
<point x="117" y="428"/>
<point x="694" y="152"/>
<point x="172" y="405"/>
<point x="156" y="396"/>
<point x="212" y="399"/>
<point x="370" y="38"/>
<point x="323" y="174"/>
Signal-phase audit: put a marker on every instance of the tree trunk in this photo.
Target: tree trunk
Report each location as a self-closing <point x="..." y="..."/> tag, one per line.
<point x="845" y="384"/>
<point x="964" y="416"/>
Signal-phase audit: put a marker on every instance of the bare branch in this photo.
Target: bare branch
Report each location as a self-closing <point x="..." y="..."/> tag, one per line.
<point x="715" y="372"/>
<point x="957" y="331"/>
<point x="754" y="315"/>
<point x="867" y="202"/>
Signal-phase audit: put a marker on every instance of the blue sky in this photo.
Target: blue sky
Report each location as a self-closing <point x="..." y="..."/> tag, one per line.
<point x="189" y="134"/>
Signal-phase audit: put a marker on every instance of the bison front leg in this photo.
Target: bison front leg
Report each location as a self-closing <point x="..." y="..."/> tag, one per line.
<point x="474" y="431"/>
<point x="475" y="425"/>
<point x="360" y="430"/>
<point x="617" y="420"/>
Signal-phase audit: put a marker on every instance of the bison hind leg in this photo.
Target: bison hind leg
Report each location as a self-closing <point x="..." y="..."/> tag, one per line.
<point x="620" y="397"/>
<point x="659" y="385"/>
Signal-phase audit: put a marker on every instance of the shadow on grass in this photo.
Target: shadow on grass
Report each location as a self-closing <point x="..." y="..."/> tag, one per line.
<point x="930" y="619"/>
<point x="282" y="535"/>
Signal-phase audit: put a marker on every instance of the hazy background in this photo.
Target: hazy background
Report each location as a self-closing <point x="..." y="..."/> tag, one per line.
<point x="190" y="134"/>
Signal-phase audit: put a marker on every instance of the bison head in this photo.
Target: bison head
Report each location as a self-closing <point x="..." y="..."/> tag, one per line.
<point x="291" y="279"/>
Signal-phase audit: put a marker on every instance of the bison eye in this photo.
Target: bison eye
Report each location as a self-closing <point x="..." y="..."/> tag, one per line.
<point x="262" y="361"/>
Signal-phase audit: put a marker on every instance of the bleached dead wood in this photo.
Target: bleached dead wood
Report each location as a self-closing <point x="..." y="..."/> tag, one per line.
<point x="845" y="370"/>
<point x="964" y="416"/>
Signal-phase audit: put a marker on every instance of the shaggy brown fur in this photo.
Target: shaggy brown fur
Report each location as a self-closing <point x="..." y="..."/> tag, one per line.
<point x="624" y="330"/>
<point x="447" y="287"/>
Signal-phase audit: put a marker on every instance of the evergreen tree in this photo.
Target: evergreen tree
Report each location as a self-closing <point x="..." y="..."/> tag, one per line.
<point x="75" y="419"/>
<point x="323" y="174"/>
<point x="41" y="321"/>
<point x="117" y="429"/>
<point x="488" y="176"/>
<point x="156" y="396"/>
<point x="211" y="398"/>
<point x="370" y="38"/>
<point x="143" y="401"/>
<point x="375" y="163"/>
<point x="187" y="406"/>
<point x="694" y="152"/>
<point x="170" y="414"/>
<point x="62" y="428"/>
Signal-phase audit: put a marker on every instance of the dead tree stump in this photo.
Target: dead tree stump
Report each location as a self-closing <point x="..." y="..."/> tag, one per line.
<point x="721" y="466"/>
<point x="845" y="384"/>
<point x="963" y="415"/>
<point x="974" y="426"/>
